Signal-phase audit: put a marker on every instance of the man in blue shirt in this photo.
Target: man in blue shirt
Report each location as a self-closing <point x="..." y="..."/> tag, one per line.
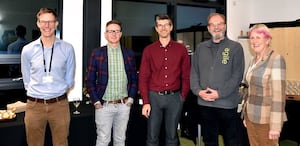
<point x="48" y="69"/>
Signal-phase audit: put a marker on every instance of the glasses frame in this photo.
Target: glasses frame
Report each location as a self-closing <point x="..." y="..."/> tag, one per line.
<point x="113" y="31"/>
<point x="163" y="25"/>
<point x="219" y="24"/>
<point x="49" y="22"/>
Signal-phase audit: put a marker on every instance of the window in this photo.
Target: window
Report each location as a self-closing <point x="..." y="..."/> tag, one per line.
<point x="18" y="17"/>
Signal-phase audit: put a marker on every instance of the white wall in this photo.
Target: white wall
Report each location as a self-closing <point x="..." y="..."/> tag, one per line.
<point x="106" y="15"/>
<point x="240" y="13"/>
<point x="275" y="10"/>
<point x="237" y="17"/>
<point x="73" y="33"/>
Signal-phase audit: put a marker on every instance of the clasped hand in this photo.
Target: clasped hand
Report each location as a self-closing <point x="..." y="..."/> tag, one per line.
<point x="209" y="94"/>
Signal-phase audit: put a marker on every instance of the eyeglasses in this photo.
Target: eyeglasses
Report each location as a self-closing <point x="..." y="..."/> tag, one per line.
<point x="113" y="31"/>
<point x="44" y="22"/>
<point x="216" y="24"/>
<point x="163" y="25"/>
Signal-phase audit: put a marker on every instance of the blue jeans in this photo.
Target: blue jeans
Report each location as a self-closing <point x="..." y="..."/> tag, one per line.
<point x="167" y="107"/>
<point x="114" y="116"/>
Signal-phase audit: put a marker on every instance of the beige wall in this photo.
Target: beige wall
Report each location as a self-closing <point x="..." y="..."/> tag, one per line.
<point x="240" y="13"/>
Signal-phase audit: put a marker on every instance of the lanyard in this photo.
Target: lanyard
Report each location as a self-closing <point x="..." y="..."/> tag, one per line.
<point x="52" y="49"/>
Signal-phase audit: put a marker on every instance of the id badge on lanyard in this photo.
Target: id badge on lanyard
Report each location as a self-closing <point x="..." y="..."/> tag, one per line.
<point x="48" y="79"/>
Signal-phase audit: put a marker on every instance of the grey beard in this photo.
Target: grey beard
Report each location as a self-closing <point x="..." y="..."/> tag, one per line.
<point x="218" y="37"/>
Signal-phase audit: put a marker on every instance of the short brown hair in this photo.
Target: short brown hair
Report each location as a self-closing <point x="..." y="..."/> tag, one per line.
<point x="46" y="10"/>
<point x="114" y="22"/>
<point x="162" y="17"/>
<point x="216" y="14"/>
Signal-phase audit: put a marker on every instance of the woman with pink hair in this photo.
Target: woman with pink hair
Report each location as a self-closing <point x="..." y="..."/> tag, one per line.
<point x="264" y="110"/>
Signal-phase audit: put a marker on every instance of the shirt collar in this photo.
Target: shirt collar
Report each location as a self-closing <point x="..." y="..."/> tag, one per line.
<point x="111" y="48"/>
<point x="37" y="42"/>
<point x="171" y="42"/>
<point x="211" y="43"/>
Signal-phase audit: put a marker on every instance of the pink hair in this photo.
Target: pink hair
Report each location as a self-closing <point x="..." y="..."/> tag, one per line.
<point x="265" y="33"/>
<point x="261" y="30"/>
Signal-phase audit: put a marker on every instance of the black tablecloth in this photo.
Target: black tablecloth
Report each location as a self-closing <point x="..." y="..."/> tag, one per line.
<point x="291" y="128"/>
<point x="82" y="129"/>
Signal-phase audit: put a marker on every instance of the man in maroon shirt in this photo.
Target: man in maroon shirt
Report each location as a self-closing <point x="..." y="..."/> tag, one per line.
<point x="164" y="83"/>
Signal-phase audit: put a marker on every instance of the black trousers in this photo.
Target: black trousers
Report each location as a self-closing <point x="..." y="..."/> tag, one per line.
<point x="217" y="121"/>
<point x="167" y="107"/>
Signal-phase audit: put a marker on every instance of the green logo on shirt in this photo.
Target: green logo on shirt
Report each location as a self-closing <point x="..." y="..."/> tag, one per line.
<point x="225" y="55"/>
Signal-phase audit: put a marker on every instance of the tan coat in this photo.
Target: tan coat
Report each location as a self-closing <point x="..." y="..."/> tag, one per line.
<point x="266" y="93"/>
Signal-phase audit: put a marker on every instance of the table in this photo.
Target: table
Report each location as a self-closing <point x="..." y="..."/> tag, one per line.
<point x="137" y="127"/>
<point x="82" y="129"/>
<point x="291" y="128"/>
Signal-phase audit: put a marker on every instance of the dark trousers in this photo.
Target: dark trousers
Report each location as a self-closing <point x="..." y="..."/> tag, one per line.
<point x="215" y="121"/>
<point x="167" y="107"/>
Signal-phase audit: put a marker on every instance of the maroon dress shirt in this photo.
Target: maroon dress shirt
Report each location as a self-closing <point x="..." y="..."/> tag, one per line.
<point x="164" y="69"/>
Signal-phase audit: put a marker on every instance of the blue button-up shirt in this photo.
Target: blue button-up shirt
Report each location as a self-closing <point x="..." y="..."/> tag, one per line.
<point x="62" y="69"/>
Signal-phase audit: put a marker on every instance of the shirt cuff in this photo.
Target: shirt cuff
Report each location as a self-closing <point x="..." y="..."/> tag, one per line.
<point x="96" y="103"/>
